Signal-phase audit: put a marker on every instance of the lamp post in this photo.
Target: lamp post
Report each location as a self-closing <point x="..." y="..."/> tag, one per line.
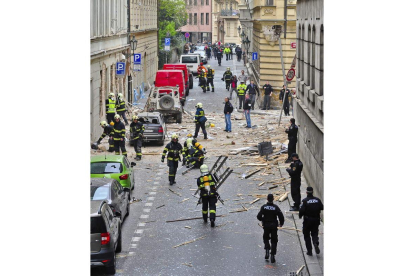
<point x="278" y="30"/>
<point x="239" y="30"/>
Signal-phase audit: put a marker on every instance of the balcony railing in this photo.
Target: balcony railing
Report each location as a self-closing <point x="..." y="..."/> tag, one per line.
<point x="230" y="13"/>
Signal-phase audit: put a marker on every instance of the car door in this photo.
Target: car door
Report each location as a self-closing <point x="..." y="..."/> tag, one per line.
<point x="123" y="199"/>
<point x="115" y="200"/>
<point x="113" y="225"/>
<point x="129" y="171"/>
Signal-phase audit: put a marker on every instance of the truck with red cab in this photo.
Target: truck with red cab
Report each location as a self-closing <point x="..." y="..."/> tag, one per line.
<point x="188" y="77"/>
<point x="171" y="78"/>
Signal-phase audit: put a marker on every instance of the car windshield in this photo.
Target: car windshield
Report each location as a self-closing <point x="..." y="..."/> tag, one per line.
<point x="189" y="59"/>
<point x="99" y="193"/>
<point x="106" y="167"/>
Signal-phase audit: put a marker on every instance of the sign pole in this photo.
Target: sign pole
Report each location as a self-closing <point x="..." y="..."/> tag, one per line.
<point x="284" y="79"/>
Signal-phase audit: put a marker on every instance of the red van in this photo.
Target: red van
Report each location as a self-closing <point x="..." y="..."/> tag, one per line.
<point x="171" y="78"/>
<point x="188" y="77"/>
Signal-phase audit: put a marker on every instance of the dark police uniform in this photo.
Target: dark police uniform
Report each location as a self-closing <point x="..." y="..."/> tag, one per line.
<point x="293" y="139"/>
<point x="119" y="133"/>
<point x="268" y="214"/>
<point x="200" y="121"/>
<point x="108" y="130"/>
<point x="137" y="130"/>
<point x="310" y="210"/>
<point x="209" y="198"/>
<point x="286" y="102"/>
<point x="174" y="149"/>
<point x="219" y="56"/>
<point x="295" y="171"/>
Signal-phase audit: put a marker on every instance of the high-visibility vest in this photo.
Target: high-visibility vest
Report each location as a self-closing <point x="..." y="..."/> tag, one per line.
<point x="241" y="89"/>
<point x="111" y="106"/>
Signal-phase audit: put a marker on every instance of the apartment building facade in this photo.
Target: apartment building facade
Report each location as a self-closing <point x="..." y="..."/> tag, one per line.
<point x="199" y="20"/>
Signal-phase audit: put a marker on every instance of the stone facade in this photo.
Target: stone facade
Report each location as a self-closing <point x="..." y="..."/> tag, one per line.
<point x="309" y="105"/>
<point x="226" y="15"/>
<point x="199" y="23"/>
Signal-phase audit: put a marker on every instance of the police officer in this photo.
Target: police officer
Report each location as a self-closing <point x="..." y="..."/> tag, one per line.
<point x="295" y="171"/>
<point x="241" y="92"/>
<point x="110" y="108"/>
<point x="268" y="214"/>
<point x="292" y="132"/>
<point x="208" y="198"/>
<point x="210" y="78"/>
<point x="119" y="136"/>
<point x="107" y="130"/>
<point x="227" y="77"/>
<point x="310" y="210"/>
<point x="137" y="130"/>
<point x="174" y="149"/>
<point x="200" y="120"/>
<point x="120" y="107"/>
<point x="285" y="99"/>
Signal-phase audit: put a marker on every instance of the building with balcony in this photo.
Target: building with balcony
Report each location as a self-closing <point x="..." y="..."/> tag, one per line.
<point x="226" y="21"/>
<point x="199" y="20"/>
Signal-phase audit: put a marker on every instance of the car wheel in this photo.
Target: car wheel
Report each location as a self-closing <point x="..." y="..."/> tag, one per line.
<point x="191" y="81"/>
<point x="127" y="210"/>
<point x="119" y="245"/>
<point x="179" y="118"/>
<point x="111" y="269"/>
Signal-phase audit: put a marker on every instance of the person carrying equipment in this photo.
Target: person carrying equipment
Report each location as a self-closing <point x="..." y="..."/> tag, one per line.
<point x="174" y="149"/>
<point x="137" y="134"/>
<point x="195" y="157"/>
<point x="107" y="130"/>
<point x="208" y="197"/>
<point x="210" y="78"/>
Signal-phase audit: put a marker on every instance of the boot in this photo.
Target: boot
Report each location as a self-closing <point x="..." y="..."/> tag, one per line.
<point x="317" y="250"/>
<point x="267" y="254"/>
<point x="208" y="88"/>
<point x="272" y="258"/>
<point x="212" y="89"/>
<point x="137" y="158"/>
<point x="205" y="218"/>
<point x="171" y="183"/>
<point x="309" y="253"/>
<point x="212" y="223"/>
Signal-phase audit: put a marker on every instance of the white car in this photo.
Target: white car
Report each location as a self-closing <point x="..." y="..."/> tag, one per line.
<point x="203" y="56"/>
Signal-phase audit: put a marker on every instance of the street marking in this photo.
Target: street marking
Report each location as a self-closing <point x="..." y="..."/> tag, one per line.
<point x="131" y="253"/>
<point x="151" y="198"/>
<point x="139" y="231"/>
<point x="152" y="193"/>
<point x="147" y="210"/>
<point x="148" y="204"/>
<point x="144" y="216"/>
<point x="141" y="224"/>
<point x="133" y="245"/>
<point x="135" y="239"/>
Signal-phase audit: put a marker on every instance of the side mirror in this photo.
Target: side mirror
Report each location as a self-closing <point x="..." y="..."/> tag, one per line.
<point x="126" y="190"/>
<point x="133" y="164"/>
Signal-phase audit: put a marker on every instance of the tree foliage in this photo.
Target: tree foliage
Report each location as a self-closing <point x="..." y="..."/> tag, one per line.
<point x="172" y="15"/>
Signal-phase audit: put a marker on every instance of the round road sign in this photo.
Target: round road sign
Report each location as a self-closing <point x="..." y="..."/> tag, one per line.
<point x="187" y="35"/>
<point x="290" y="75"/>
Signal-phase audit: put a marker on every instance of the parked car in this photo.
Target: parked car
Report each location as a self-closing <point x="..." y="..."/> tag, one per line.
<point x="192" y="61"/>
<point x="171" y="78"/>
<point x="202" y="54"/>
<point x="188" y="77"/>
<point x="116" y="167"/>
<point x="115" y="195"/>
<point x="155" y="128"/>
<point x="106" y="236"/>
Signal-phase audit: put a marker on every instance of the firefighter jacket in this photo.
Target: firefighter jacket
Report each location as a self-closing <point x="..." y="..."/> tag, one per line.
<point x="174" y="149"/>
<point x="210" y="73"/>
<point x="119" y="130"/>
<point x="108" y="130"/>
<point x="120" y="106"/>
<point x="110" y="106"/>
<point x="137" y="130"/>
<point x="241" y="89"/>
<point x="227" y="75"/>
<point x="205" y="182"/>
<point x="199" y="115"/>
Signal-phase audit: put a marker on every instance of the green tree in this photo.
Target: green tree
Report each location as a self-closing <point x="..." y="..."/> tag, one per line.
<point x="172" y="15"/>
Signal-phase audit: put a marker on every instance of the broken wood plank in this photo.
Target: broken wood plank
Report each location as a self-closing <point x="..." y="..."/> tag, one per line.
<point x="255" y="164"/>
<point x="185" y="199"/>
<point x="188" y="242"/>
<point x="247" y="176"/>
<point x="174" y="192"/>
<point x="300" y="269"/>
<point x="187" y="264"/>
<point x="238" y="211"/>
<point x="273" y="187"/>
<point x="289" y="228"/>
<point x="283" y="197"/>
<point x="261" y="183"/>
<point x="292" y="212"/>
<point x="185" y="219"/>
<point x="257" y="199"/>
<point x="188" y="227"/>
<point x="160" y="206"/>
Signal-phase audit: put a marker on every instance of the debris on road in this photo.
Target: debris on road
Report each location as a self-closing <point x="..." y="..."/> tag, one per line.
<point x="160" y="206"/>
<point x="175" y="192"/>
<point x="253" y="173"/>
<point x="185" y="199"/>
<point x="192" y="218"/>
<point x="188" y="242"/>
<point x="188" y="227"/>
<point x="257" y="199"/>
<point x="187" y="264"/>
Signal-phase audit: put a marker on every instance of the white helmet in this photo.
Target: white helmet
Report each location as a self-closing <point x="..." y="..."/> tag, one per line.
<point x="117" y="116"/>
<point x="200" y="105"/>
<point x="104" y="123"/>
<point x="120" y="95"/>
<point x="110" y="95"/>
<point x="204" y="169"/>
<point x="208" y="66"/>
<point x="189" y="142"/>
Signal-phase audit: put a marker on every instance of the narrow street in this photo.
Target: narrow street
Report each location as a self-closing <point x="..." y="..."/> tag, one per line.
<point x="235" y="246"/>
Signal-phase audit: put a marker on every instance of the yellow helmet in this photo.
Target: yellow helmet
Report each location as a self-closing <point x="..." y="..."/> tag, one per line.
<point x="112" y="123"/>
<point x="104" y="123"/>
<point x="135" y="117"/>
<point x="200" y="105"/>
<point x="189" y="135"/>
<point x="174" y="136"/>
<point x="196" y="144"/>
<point x="212" y="125"/>
<point x="117" y="116"/>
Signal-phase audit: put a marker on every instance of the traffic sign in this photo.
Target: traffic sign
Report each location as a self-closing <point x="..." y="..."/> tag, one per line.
<point x="254" y="56"/>
<point x="120" y="69"/>
<point x="290" y="75"/>
<point x="137" y="67"/>
<point x="137" y="58"/>
<point x="167" y="43"/>
<point x="293" y="45"/>
<point x="187" y="35"/>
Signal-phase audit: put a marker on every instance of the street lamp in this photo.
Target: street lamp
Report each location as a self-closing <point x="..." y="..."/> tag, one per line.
<point x="133" y="44"/>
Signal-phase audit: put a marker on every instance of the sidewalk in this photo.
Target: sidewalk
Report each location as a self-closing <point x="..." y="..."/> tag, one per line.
<point x="314" y="264"/>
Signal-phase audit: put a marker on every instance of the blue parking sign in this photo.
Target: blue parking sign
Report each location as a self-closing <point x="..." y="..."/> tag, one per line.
<point x="137" y="58"/>
<point x="167" y="41"/>
<point x="254" y="56"/>
<point x="120" y="68"/>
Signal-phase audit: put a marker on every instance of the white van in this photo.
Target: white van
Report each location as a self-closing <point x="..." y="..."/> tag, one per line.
<point x="192" y="61"/>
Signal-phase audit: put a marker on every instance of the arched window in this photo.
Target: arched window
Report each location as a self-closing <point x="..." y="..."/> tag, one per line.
<point x="313" y="58"/>
<point x="321" y="62"/>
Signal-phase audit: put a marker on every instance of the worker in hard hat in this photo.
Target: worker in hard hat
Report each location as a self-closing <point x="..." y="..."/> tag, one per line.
<point x="202" y="79"/>
<point x="188" y="142"/>
<point x="210" y="78"/>
<point x="200" y="120"/>
<point x="107" y="131"/>
<point x="121" y="108"/>
<point x="119" y="136"/>
<point x="110" y="108"/>
<point x="196" y="152"/>
<point x="137" y="134"/>
<point x="174" y="150"/>
<point x="200" y="69"/>
<point x="208" y="194"/>
<point x="227" y="78"/>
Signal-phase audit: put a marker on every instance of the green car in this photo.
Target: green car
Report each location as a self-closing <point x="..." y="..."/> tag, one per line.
<point x="113" y="166"/>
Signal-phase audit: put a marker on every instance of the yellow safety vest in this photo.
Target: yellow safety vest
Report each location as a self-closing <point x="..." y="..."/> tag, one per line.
<point x="111" y="106"/>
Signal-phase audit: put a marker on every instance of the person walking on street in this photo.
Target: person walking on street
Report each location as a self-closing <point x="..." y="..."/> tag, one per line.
<point x="208" y="198"/>
<point x="227" y="78"/>
<point x="285" y="98"/>
<point x="215" y="52"/>
<point x="119" y="136"/>
<point x="295" y="171"/>
<point x="292" y="132"/>
<point x="243" y="77"/>
<point x="210" y="78"/>
<point x="137" y="130"/>
<point x="227" y="52"/>
<point x="241" y="92"/>
<point x="174" y="150"/>
<point x="252" y="89"/>
<point x="219" y="56"/>
<point x="110" y="108"/>
<point x="120" y="107"/>
<point x="268" y="215"/>
<point x="200" y="121"/>
<point x="267" y="94"/>
<point x="107" y="130"/>
<point x="228" y="109"/>
<point x="233" y="86"/>
<point x="247" y="106"/>
<point x="202" y="79"/>
<point x="238" y="53"/>
<point x="231" y="53"/>
<point x="310" y="210"/>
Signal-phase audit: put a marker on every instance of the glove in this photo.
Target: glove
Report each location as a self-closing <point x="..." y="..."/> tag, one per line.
<point x="204" y="151"/>
<point x="162" y="160"/>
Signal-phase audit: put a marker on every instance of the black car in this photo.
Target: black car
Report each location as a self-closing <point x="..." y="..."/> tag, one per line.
<point x="106" y="238"/>
<point x="115" y="195"/>
<point x="155" y="128"/>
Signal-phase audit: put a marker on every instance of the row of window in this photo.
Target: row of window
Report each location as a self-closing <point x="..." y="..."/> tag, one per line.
<point x="194" y="2"/>
<point x="192" y="20"/>
<point x="108" y="17"/>
<point x="144" y="16"/>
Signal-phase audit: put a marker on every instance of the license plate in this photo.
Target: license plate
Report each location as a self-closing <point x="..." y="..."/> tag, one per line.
<point x="150" y="130"/>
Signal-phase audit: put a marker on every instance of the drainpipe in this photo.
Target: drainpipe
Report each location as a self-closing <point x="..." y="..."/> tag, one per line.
<point x="128" y="19"/>
<point x="285" y="23"/>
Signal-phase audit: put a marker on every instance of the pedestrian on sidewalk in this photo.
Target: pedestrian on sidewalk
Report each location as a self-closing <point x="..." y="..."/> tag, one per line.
<point x="119" y="136"/>
<point x="241" y="92"/>
<point x="208" y="198"/>
<point x="174" y="150"/>
<point x="121" y="108"/>
<point x="285" y="98"/>
<point x="252" y="89"/>
<point x="200" y="121"/>
<point x="268" y="215"/>
<point x="243" y="77"/>
<point x="293" y="95"/>
<point x="295" y="171"/>
<point x="247" y="106"/>
<point x="228" y="109"/>
<point x="292" y="132"/>
<point x="231" y="53"/>
<point x="310" y="210"/>
<point x="233" y="86"/>
<point x="267" y="94"/>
